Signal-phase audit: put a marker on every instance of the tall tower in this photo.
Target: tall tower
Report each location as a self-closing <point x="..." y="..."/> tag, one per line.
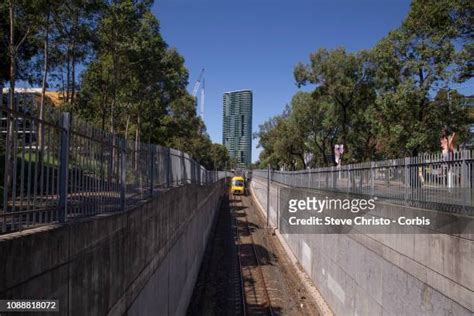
<point x="237" y="129"/>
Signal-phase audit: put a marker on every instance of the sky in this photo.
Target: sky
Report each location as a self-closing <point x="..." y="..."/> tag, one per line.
<point x="255" y="44"/>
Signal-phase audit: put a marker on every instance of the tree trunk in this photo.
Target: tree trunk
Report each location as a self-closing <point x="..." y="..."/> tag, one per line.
<point x="112" y="111"/>
<point x="73" y="59"/>
<point x="44" y="84"/>
<point x="104" y="106"/>
<point x="68" y="73"/>
<point x="12" y="55"/>
<point x="40" y="140"/>
<point x="126" y="126"/>
<point x="137" y="141"/>
<point x="114" y="98"/>
<point x="73" y="78"/>
<point x="10" y="146"/>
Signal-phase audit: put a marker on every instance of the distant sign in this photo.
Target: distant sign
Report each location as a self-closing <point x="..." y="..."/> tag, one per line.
<point x="338" y="152"/>
<point x="308" y="157"/>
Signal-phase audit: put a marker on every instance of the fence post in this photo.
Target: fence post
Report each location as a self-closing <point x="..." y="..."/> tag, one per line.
<point x="462" y="157"/>
<point x="198" y="171"/>
<point x="372" y="176"/>
<point x="408" y="165"/>
<point x="65" y="125"/>
<point x="152" y="167"/>
<point x="268" y="195"/>
<point x="350" y="178"/>
<point x="465" y="177"/>
<point x="123" y="174"/>
<point x="168" y="167"/>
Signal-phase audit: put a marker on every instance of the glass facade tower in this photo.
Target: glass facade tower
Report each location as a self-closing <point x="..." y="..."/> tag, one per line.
<point x="237" y="125"/>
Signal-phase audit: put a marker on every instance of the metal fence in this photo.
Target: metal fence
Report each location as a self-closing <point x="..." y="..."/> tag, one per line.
<point x="58" y="168"/>
<point x="437" y="179"/>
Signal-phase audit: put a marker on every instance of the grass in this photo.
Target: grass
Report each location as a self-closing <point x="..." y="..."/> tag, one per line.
<point x="48" y="158"/>
<point x="49" y="168"/>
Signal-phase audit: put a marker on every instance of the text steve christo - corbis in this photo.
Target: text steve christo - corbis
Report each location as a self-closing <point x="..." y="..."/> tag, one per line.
<point x="315" y="205"/>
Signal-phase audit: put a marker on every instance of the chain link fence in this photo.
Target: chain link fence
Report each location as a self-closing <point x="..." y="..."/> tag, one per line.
<point x="58" y="167"/>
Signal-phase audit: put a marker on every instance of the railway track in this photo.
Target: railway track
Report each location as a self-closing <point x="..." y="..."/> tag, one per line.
<point x="245" y="270"/>
<point x="254" y="290"/>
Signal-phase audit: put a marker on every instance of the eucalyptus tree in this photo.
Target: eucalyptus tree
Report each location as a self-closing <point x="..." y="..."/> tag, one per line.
<point x="314" y="121"/>
<point x="17" y="26"/>
<point x="430" y="50"/>
<point x="282" y="143"/>
<point x="344" y="82"/>
<point x="139" y="83"/>
<point x="266" y="136"/>
<point x="75" y="22"/>
<point x="20" y="47"/>
<point x="220" y="157"/>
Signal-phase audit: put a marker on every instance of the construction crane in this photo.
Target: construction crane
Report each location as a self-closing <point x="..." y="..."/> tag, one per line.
<point x="202" y="99"/>
<point x="196" y="87"/>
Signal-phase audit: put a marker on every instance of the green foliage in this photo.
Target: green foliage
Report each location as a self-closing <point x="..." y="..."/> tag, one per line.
<point x="314" y="121"/>
<point x="220" y="157"/>
<point x="136" y="85"/>
<point x="25" y="45"/>
<point x="344" y="94"/>
<point x="427" y="52"/>
<point x="132" y="84"/>
<point x="390" y="101"/>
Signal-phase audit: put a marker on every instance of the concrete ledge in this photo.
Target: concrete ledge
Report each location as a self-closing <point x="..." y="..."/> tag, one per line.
<point x="413" y="274"/>
<point x="323" y="307"/>
<point x="143" y="261"/>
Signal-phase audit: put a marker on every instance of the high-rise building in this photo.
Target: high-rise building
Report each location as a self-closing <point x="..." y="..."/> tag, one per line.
<point x="237" y="129"/>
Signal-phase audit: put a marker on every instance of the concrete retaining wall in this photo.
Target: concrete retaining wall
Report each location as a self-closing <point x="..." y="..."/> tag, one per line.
<point x="390" y="274"/>
<point x="141" y="262"/>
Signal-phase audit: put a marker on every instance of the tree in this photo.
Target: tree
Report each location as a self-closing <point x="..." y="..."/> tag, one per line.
<point x="447" y="27"/>
<point x="429" y="51"/>
<point x="220" y="157"/>
<point x="315" y="123"/>
<point x="283" y="147"/>
<point x="20" y="44"/>
<point x="344" y="81"/>
<point x="4" y="33"/>
<point x="45" y="34"/>
<point x="76" y="24"/>
<point x="267" y="134"/>
<point x="135" y="73"/>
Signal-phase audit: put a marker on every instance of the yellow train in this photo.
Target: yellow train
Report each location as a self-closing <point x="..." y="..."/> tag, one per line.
<point x="237" y="185"/>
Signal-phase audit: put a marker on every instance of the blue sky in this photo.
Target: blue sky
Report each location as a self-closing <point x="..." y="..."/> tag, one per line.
<point x="254" y="44"/>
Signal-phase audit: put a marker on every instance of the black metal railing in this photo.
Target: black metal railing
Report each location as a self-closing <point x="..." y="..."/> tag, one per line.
<point x="58" y="167"/>
<point x="437" y="179"/>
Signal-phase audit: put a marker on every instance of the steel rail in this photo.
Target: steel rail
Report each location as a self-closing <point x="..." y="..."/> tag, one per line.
<point x="242" y="289"/>
<point x="259" y="266"/>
